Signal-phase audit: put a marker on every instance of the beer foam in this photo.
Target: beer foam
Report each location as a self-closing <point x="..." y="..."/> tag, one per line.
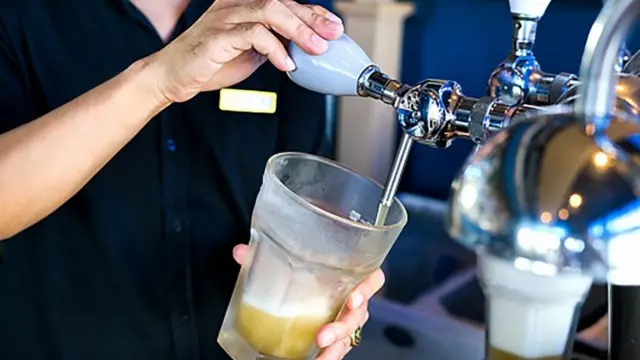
<point x="530" y="316"/>
<point x="278" y="306"/>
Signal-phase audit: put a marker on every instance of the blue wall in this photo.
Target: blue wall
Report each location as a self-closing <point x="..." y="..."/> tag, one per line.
<point x="463" y="40"/>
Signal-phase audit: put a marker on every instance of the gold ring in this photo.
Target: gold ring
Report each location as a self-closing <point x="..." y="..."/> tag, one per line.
<point x="356" y="336"/>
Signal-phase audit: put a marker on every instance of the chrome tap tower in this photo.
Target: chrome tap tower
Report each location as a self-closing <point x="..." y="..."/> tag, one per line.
<point x="519" y="79"/>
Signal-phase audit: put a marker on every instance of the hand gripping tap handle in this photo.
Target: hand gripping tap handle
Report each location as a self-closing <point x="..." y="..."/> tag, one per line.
<point x="344" y="70"/>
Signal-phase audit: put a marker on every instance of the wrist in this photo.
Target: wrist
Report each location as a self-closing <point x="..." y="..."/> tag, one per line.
<point x="147" y="75"/>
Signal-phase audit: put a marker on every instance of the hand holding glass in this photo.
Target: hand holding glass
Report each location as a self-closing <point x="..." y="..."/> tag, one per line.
<point x="311" y="243"/>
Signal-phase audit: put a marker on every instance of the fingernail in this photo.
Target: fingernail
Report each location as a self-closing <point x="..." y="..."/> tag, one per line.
<point x="356" y="300"/>
<point x="334" y="18"/>
<point x="332" y="24"/>
<point x="289" y="64"/>
<point x="318" y="40"/>
<point x="327" y="338"/>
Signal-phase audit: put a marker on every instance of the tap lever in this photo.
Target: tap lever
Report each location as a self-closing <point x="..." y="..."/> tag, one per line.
<point x="336" y="72"/>
<point x="393" y="181"/>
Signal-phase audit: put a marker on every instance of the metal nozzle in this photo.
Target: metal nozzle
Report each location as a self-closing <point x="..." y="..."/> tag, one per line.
<point x="375" y="84"/>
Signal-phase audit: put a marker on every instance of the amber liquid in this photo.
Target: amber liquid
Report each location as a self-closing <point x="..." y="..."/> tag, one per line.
<point x="495" y="354"/>
<point x="283" y="337"/>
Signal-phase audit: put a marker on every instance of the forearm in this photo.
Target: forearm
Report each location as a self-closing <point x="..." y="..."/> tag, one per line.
<point x="45" y="162"/>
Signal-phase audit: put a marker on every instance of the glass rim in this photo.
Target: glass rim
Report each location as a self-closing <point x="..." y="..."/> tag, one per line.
<point x="346" y="221"/>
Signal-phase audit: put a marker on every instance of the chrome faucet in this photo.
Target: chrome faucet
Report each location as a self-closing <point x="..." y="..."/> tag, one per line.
<point x="433" y="112"/>
<point x="519" y="79"/>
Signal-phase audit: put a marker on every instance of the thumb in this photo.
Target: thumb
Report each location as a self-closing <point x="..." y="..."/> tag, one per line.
<point x="239" y="252"/>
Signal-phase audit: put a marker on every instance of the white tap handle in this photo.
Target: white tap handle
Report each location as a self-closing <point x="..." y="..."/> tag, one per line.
<point x="529" y="8"/>
<point x="336" y="72"/>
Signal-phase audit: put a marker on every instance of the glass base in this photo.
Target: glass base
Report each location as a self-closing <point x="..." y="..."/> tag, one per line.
<point x="238" y="349"/>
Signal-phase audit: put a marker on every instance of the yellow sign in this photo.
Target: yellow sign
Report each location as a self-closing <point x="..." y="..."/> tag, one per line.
<point x="249" y="101"/>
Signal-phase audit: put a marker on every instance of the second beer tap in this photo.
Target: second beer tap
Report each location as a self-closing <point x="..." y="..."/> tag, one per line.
<point x="519" y="79"/>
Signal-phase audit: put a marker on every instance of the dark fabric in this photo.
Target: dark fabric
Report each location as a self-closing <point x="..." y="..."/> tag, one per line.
<point x="137" y="265"/>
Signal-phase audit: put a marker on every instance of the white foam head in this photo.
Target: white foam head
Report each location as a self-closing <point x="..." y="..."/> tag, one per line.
<point x="530" y="316"/>
<point x="273" y="287"/>
<point x="529" y="8"/>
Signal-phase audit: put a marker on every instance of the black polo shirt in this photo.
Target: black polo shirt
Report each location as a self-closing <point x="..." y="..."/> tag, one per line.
<point x="137" y="265"/>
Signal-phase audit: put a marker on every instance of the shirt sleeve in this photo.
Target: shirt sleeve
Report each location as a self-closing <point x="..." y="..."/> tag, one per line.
<point x="303" y="123"/>
<point x="14" y="95"/>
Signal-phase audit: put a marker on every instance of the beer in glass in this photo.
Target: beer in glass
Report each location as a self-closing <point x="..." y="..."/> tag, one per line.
<point x="312" y="241"/>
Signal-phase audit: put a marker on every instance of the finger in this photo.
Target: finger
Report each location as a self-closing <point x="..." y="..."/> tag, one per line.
<point x="237" y="70"/>
<point x="336" y="351"/>
<point x="340" y="348"/>
<point x="275" y="15"/>
<point x="246" y="36"/>
<point x="324" y="12"/>
<point x="366" y="289"/>
<point x="347" y="324"/>
<point x="320" y="20"/>
<point x="239" y="252"/>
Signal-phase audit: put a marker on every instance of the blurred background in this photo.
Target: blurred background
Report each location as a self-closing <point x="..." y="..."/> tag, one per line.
<point x="460" y="40"/>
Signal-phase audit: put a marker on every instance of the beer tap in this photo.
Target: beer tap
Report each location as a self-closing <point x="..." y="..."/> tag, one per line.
<point x="433" y="112"/>
<point x="519" y="79"/>
<point x="556" y="197"/>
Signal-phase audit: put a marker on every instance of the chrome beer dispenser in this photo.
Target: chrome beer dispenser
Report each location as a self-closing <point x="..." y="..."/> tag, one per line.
<point x="519" y="79"/>
<point x="433" y="112"/>
<point x="553" y="203"/>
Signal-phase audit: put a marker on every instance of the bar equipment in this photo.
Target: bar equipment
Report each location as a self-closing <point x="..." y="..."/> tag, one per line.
<point x="433" y="112"/>
<point x="557" y="196"/>
<point x="519" y="79"/>
<point x="311" y="242"/>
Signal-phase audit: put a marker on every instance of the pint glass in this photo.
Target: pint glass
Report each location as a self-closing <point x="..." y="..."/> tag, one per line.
<point x="312" y="241"/>
<point x="530" y="316"/>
